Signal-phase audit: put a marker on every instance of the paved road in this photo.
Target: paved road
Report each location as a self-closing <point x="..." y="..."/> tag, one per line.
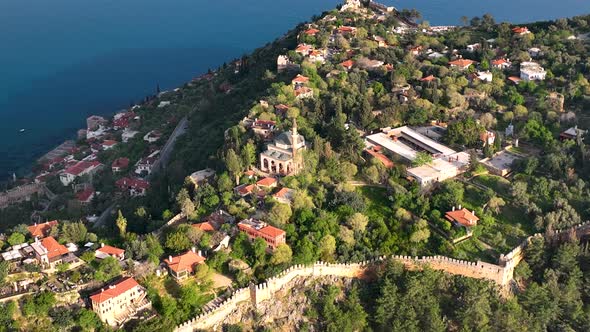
<point x="166" y="151"/>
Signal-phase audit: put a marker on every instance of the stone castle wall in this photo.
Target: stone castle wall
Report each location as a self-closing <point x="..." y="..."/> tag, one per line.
<point x="501" y="274"/>
<point x="19" y="194"/>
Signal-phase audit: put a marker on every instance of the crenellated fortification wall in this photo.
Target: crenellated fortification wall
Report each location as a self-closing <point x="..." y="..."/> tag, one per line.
<point x="501" y="274"/>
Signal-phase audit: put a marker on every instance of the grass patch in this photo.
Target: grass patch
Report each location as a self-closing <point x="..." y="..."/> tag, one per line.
<point x="497" y="183"/>
<point x="378" y="204"/>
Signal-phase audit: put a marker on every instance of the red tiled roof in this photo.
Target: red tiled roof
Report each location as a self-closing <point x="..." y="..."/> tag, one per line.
<point x="81" y="167"/>
<point x="120" y="162"/>
<point x="514" y="79"/>
<point x="303" y="48"/>
<point x="114" y="290"/>
<point x="520" y="30"/>
<point x="498" y="62"/>
<point x="271" y="231"/>
<point x="346" y="29"/>
<point x="109" y="142"/>
<point x="110" y="250"/>
<point x="428" y="78"/>
<point x="249" y="173"/>
<point x="246" y="189"/>
<point x="85" y="195"/>
<point x="302" y="90"/>
<point x="125" y="183"/>
<point x="463" y="217"/>
<point x="40" y="230"/>
<point x="282" y="107"/>
<point x="347" y="64"/>
<point x="204" y="226"/>
<point x="461" y="62"/>
<point x="311" y="32"/>
<point x="300" y="79"/>
<point x="54" y="249"/>
<point x="281" y="193"/>
<point x="265" y="182"/>
<point x="184" y="262"/>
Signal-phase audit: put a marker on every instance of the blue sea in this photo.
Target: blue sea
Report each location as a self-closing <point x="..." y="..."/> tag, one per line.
<point x="63" y="60"/>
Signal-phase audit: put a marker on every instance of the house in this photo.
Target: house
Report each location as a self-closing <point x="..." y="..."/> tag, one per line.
<point x="381" y="42"/>
<point x="299" y="81"/>
<point x="347" y="64"/>
<point x="109" y="251"/>
<point x="435" y="55"/>
<point x="473" y="47"/>
<point x="416" y="50"/>
<point x="461" y="64"/>
<point x="182" y="266"/>
<point x="214" y="221"/>
<point x="49" y="252"/>
<point x="572" y="133"/>
<point x="267" y="183"/>
<point x="501" y="64"/>
<point x="514" y="79"/>
<point x="317" y="56"/>
<point x="311" y="32"/>
<point x="79" y="169"/>
<point x="108" y="144"/>
<point x="532" y="71"/>
<point x="284" y="156"/>
<point x="462" y="217"/>
<point x="145" y="165"/>
<point x="283" y="63"/>
<point x="488" y="137"/>
<point x="428" y="78"/>
<point x="164" y="103"/>
<point x="244" y="190"/>
<point x="94" y="122"/>
<point x="42" y="230"/>
<point x="128" y="134"/>
<point x="122" y="120"/>
<point x="120" y="164"/>
<point x="521" y="30"/>
<point x="346" y="30"/>
<point x="152" y="136"/>
<point x="303" y="49"/>
<point x="85" y="196"/>
<point x="117" y="302"/>
<point x="135" y="187"/>
<point x="303" y="92"/>
<point x="284" y="195"/>
<point x="281" y="109"/>
<point x="263" y="128"/>
<point x="485" y="76"/>
<point x="535" y="52"/>
<point x="258" y="229"/>
<point x="199" y="177"/>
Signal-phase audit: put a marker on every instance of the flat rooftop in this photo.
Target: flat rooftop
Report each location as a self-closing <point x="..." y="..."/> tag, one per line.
<point x="386" y="140"/>
<point x="502" y="161"/>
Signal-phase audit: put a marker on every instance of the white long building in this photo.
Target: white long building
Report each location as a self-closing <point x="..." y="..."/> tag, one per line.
<point x="406" y="143"/>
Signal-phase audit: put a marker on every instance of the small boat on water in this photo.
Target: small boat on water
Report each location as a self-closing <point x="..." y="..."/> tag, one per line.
<point x="22" y="130"/>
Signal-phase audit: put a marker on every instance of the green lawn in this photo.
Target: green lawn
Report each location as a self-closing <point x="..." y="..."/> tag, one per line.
<point x="497" y="183"/>
<point x="378" y="204"/>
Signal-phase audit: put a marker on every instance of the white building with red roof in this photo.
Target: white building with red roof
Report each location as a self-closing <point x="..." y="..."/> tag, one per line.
<point x="501" y="64"/>
<point x="258" y="229"/>
<point x="117" y="302"/>
<point x="120" y="164"/>
<point x="109" y="251"/>
<point x="49" y="252"/>
<point x="462" y="64"/>
<point x="284" y="195"/>
<point x="108" y="144"/>
<point x="462" y="217"/>
<point x="85" y="196"/>
<point x="145" y="165"/>
<point x="135" y="187"/>
<point x="42" y="230"/>
<point x="182" y="266"/>
<point x="79" y="169"/>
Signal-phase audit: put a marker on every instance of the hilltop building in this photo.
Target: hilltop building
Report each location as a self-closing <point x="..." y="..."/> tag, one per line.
<point x="283" y="156"/>
<point x="258" y="229"/>
<point x="115" y="304"/>
<point x="182" y="266"/>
